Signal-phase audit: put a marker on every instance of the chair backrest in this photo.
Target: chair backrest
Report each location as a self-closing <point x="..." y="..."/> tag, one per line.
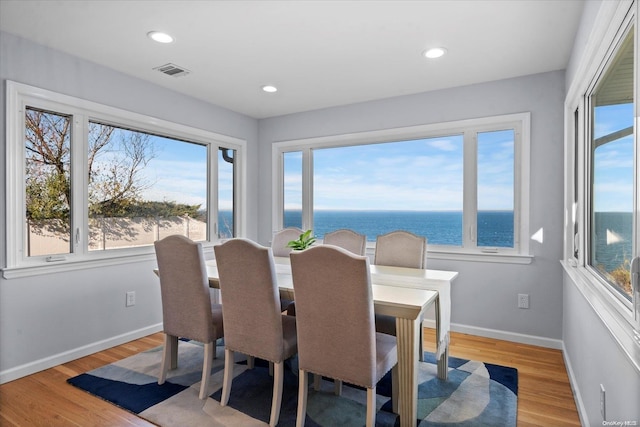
<point x="347" y="239"/>
<point x="250" y="299"/>
<point x="186" y="301"/>
<point x="334" y="314"/>
<point x="401" y="249"/>
<point x="281" y="238"/>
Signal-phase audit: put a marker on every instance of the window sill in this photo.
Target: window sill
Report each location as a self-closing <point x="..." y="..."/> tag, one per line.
<point x="73" y="265"/>
<point x="610" y="312"/>
<point x="504" y="258"/>
<point x="481" y="257"/>
<point x="37" y="269"/>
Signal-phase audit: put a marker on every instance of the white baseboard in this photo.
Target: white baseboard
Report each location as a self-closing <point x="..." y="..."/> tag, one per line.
<point x="76" y="353"/>
<point x="582" y="412"/>
<point x="501" y="335"/>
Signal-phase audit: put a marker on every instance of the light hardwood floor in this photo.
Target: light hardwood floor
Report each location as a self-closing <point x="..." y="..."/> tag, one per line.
<point x="45" y="399"/>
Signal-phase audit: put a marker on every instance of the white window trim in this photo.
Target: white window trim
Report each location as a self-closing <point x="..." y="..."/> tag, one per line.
<point x="518" y="255"/>
<point x="616" y="315"/>
<point x="18" y="97"/>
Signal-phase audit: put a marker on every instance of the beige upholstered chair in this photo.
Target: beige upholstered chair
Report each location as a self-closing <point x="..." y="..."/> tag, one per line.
<point x="254" y="324"/>
<point x="399" y="249"/>
<point x="281" y="238"/>
<point x="333" y="289"/>
<point x="347" y="239"/>
<point x="187" y="307"/>
<point x="279" y="248"/>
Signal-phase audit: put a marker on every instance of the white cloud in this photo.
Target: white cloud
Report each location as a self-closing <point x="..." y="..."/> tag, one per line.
<point x="613" y="196"/>
<point x="443" y="144"/>
<point x="176" y="181"/>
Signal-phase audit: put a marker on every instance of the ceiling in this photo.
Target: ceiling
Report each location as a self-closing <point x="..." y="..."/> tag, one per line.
<point x="318" y="53"/>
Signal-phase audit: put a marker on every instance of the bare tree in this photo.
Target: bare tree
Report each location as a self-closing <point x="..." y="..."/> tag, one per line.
<point x="48" y="153"/>
<point x="115" y="181"/>
<point x="114" y="166"/>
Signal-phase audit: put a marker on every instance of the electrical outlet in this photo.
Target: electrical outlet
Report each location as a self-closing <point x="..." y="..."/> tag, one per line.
<point x="603" y="408"/>
<point x="523" y="300"/>
<point x="131" y="299"/>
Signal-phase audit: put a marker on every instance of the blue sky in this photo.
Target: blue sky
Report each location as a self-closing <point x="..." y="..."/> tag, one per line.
<point x="422" y="175"/>
<point x="613" y="162"/>
<point x="178" y="172"/>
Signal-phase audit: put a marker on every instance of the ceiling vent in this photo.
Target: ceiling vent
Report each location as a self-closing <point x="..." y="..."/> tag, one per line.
<point x="173" y="70"/>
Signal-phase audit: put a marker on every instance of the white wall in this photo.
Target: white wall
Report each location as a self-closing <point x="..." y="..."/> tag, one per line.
<point x="593" y="358"/>
<point x="46" y="320"/>
<point x="592" y="354"/>
<point x="484" y="295"/>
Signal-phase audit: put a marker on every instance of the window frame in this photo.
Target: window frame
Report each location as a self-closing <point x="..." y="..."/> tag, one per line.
<point x="615" y="311"/>
<point x="520" y="122"/>
<point x="587" y="227"/>
<point x="21" y="96"/>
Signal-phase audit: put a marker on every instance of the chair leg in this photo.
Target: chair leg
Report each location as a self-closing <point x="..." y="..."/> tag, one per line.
<point x="168" y="357"/>
<point x="270" y="369"/>
<point x="228" y="377"/>
<point x="250" y="362"/>
<point x="209" y="348"/>
<point x="276" y="401"/>
<point x="395" y="387"/>
<point x="303" y="386"/>
<point x="371" y="407"/>
<point x="317" y="379"/>
<point x="337" y="387"/>
<point x="174" y="352"/>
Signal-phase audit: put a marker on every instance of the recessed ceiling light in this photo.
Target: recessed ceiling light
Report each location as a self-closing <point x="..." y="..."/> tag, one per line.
<point x="435" y="52"/>
<point x="269" y="88"/>
<point x="160" y="37"/>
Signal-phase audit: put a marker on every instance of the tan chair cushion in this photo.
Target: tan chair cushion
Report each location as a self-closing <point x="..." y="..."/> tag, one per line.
<point x="347" y="239"/>
<point x="281" y="238"/>
<point x="253" y="321"/>
<point x="401" y="249"/>
<point x="187" y="307"/>
<point x="334" y="312"/>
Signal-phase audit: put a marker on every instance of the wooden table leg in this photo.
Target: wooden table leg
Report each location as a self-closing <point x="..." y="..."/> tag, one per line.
<point x="443" y="360"/>
<point x="407" y="333"/>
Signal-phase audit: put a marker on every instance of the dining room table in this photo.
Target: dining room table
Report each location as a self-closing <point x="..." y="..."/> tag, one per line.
<point x="406" y="294"/>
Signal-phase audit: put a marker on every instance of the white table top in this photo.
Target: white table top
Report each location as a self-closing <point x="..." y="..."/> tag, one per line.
<point x="402" y="278"/>
<point x="407" y="302"/>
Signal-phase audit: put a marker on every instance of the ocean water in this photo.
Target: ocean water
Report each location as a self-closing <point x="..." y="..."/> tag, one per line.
<point x="612" y="245"/>
<point x="495" y="228"/>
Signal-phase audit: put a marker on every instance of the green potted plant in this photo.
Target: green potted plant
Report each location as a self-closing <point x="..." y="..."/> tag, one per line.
<point x="305" y="240"/>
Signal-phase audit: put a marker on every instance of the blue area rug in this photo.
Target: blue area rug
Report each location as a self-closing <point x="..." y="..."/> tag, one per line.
<point x="475" y="394"/>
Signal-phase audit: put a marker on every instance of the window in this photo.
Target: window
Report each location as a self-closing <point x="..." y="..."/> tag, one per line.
<point x="495" y="188"/>
<point x="226" y="193"/>
<point x="370" y="188"/>
<point x="575" y="242"/>
<point x="47" y="183"/>
<point x="143" y="187"/>
<point x="461" y="184"/>
<point x="292" y="202"/>
<point x="602" y="187"/>
<point x="93" y="182"/>
<point x="611" y="178"/>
